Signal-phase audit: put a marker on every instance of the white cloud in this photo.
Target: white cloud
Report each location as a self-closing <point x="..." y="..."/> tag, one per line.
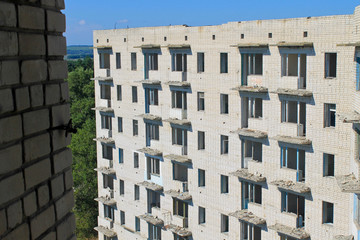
<point x="123" y="21"/>
<point x="82" y="22"/>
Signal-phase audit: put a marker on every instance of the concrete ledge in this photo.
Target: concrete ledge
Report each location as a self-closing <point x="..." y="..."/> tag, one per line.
<point x="250" y="133"/>
<point x="183" y="122"/>
<point x="353" y="117"/>
<point x="151" y="186"/>
<point x="106" y="201"/>
<point x="295" y="44"/>
<point x="149" y="151"/>
<point x="149" y="82"/>
<point x="185" y="196"/>
<point x="244" y="174"/>
<point x="148" y="46"/>
<point x="251" y="45"/>
<point x="294" y="92"/>
<point x="107" y="79"/>
<point x="107" y="232"/>
<point x="251" y="89"/>
<point x="103" y="109"/>
<point x="297" y="233"/>
<point x="151" y="117"/>
<point x="178" y="84"/>
<point x="245" y="215"/>
<point x="293" y="140"/>
<point x="178" y="158"/>
<point x="182" y="232"/>
<point x="151" y="219"/>
<point x="342" y="237"/>
<point x="105" y="140"/>
<point x="297" y="187"/>
<point x="106" y="170"/>
<point x="348" y="183"/>
<point x="177" y="46"/>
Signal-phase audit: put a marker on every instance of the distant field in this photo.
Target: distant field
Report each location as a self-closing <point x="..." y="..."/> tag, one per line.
<point x="79" y="51"/>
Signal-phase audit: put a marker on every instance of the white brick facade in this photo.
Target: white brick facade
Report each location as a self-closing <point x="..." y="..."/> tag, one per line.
<point x="307" y="42"/>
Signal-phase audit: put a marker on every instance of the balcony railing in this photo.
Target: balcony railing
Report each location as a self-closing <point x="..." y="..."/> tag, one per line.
<point x="184" y="150"/>
<point x="108" y="72"/>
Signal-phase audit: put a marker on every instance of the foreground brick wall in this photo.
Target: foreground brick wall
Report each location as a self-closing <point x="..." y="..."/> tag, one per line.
<point x="36" y="193"/>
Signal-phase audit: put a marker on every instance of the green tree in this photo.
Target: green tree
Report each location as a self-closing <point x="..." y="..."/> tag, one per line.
<point x="83" y="148"/>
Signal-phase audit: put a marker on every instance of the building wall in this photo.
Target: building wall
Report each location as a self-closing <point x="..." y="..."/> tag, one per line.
<point x="35" y="174"/>
<point x="327" y="34"/>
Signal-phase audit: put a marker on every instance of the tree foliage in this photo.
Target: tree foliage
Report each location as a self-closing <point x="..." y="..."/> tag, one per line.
<point x="83" y="147"/>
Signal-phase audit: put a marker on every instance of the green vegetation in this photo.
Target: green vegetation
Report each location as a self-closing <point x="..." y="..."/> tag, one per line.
<point x="79" y="51"/>
<point x="83" y="147"/>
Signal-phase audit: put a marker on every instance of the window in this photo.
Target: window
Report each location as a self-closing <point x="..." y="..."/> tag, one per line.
<point x="224" y="181"/>
<point x="290" y="65"/>
<point x="107" y="152"/>
<point x="153" y="200"/>
<point x="134" y="94"/>
<point x="329" y="165"/>
<point x="154" y="232"/>
<point x="105" y="92"/>
<point x="330" y="65"/>
<point x="201" y="101"/>
<point x="200" y="62"/>
<point x="357" y="208"/>
<point x="108" y="182"/>
<point x="255" y="107"/>
<point x="122" y="187"/>
<point x="305" y="34"/>
<point x="165" y="39"/>
<point x="119" y="93"/>
<point x="328" y="212"/>
<point x="152" y="131"/>
<point x="329" y="115"/>
<point x="201" y="140"/>
<point x="136" y="192"/>
<point x="186" y="38"/>
<point x="224" y="104"/>
<point x="202" y="216"/>
<point x="252" y="64"/>
<point x="135" y="127"/>
<point x="121" y="155"/>
<point x="213" y="37"/>
<point x="179" y="137"/>
<point x="223" y="63"/>
<point x="242" y="36"/>
<point x="201" y="176"/>
<point x="179" y="62"/>
<point x="136" y="160"/>
<point x="109" y="212"/>
<point x="180" y="172"/>
<point x="122" y="217"/>
<point x="153" y="165"/>
<point x="120" y="124"/>
<point x="286" y="238"/>
<point x="252" y="151"/>
<point x="124" y="39"/>
<point x="152" y="96"/>
<point x="152" y="61"/>
<point x="178" y="99"/>
<point x="137" y="224"/>
<point x="292" y="203"/>
<point x="289" y="111"/>
<point x="358" y="73"/>
<point x="224" y="223"/>
<point x="224" y="144"/>
<point x="250" y="232"/>
<point x="180" y="208"/>
<point x="105" y="122"/>
<point x="250" y="193"/>
<point x="270" y="35"/>
<point x="133" y="61"/>
<point x="104" y="60"/>
<point x="294" y="159"/>
<point x="118" y="61"/>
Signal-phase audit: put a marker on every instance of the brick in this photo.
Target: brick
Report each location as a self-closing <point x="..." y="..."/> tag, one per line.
<point x="55" y="21"/>
<point x="31" y="17"/>
<point x="9" y="73"/>
<point x="6" y="101"/>
<point x="49" y="3"/>
<point x="66" y="228"/>
<point x="31" y="44"/>
<point x="37" y="173"/>
<point x="10" y="158"/>
<point x="7" y="14"/>
<point x="62" y="160"/>
<point x="52" y="94"/>
<point x="30" y="205"/>
<point x="9" y="44"/>
<point x="10" y="128"/>
<point x="50" y="236"/>
<point x="22" y="98"/>
<point x="64" y="205"/>
<point x="56" y="46"/>
<point x="13" y="186"/>
<point x="58" y="70"/>
<point x="65" y="91"/>
<point x="42" y="222"/>
<point x="43" y="195"/>
<point x="33" y="71"/>
<point x="14" y="214"/>
<point x="36" y="121"/>
<point x="59" y="139"/>
<point x="36" y="147"/>
<point x="69" y="181"/>
<point x="60" y="115"/>
<point x="3" y="222"/>
<point x="36" y="95"/>
<point x="57" y="186"/>
<point x="21" y="232"/>
<point x="60" y="4"/>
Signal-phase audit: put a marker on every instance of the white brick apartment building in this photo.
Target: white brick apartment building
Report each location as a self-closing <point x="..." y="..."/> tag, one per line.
<point x="246" y="130"/>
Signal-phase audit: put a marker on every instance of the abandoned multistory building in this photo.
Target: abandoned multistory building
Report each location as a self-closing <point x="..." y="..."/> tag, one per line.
<point x="246" y="130"/>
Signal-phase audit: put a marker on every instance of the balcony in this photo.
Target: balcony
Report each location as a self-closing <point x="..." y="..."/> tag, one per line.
<point x="292" y="129"/>
<point x="292" y="82"/>
<point x="249" y="217"/>
<point x="180" y="221"/>
<point x="103" y="74"/>
<point x="255" y="80"/>
<point x="179" y="150"/>
<point x="177" y="76"/>
<point x="297" y="233"/>
<point x="178" y="113"/>
<point x="154" y="75"/>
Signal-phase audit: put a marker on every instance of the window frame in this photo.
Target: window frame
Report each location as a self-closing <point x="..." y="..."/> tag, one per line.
<point x="201" y="178"/>
<point x="328" y="63"/>
<point x="118" y="92"/>
<point x="224" y="228"/>
<point x="133" y="61"/>
<point x="136" y="159"/>
<point x="118" y="60"/>
<point x="135" y="127"/>
<point x="326" y="219"/>
<point x="224" y="184"/>
<point x="201" y="140"/>
<point x="201" y="101"/>
<point x="121" y="187"/>
<point x="202" y="215"/>
<point x="224" y="63"/>
<point x="200" y="62"/>
<point x="120" y="124"/>
<point x="134" y="94"/>
<point x="224" y="103"/>
<point x="329" y="115"/>
<point x="328" y="165"/>
<point x="224" y="144"/>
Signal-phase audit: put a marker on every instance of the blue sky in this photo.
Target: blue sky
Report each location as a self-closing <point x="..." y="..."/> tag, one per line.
<point x="83" y="16"/>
